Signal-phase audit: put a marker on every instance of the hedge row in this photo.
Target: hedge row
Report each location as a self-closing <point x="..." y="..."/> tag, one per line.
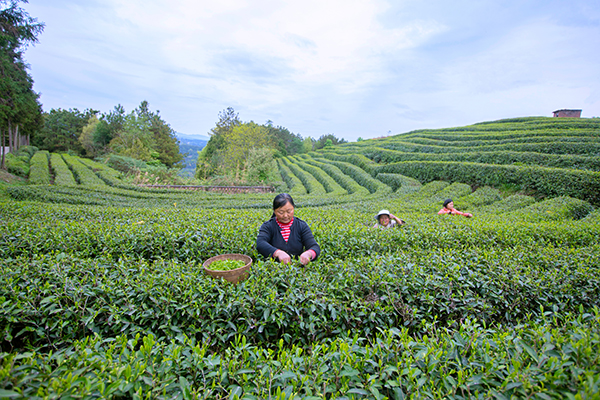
<point x="330" y="185"/>
<point x="39" y="168"/>
<point x="549" y="182"/>
<point x="356" y="159"/>
<point x="495" y="157"/>
<point x="17" y="162"/>
<point x="345" y="181"/>
<point x="294" y="184"/>
<point x="589" y="149"/>
<point x="85" y="176"/>
<point x="360" y="176"/>
<point x="399" y="183"/>
<point x="109" y="175"/>
<point x="478" y="141"/>
<point x="51" y="301"/>
<point x="312" y="185"/>
<point x="62" y="174"/>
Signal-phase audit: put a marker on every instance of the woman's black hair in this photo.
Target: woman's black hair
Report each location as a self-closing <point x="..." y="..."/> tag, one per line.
<point x="447" y="201"/>
<point x="281" y="200"/>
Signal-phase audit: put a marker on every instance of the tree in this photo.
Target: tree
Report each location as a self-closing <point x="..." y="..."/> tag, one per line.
<point x="167" y="145"/>
<point x="19" y="106"/>
<point x="286" y="142"/>
<point x="322" y="142"/>
<point x="61" y="130"/>
<point x="134" y="139"/>
<point x="109" y="125"/>
<point x="141" y="134"/>
<point x="209" y="159"/>
<point x="307" y="145"/>
<point x="238" y="143"/>
<point x="87" y="137"/>
<point x="261" y="167"/>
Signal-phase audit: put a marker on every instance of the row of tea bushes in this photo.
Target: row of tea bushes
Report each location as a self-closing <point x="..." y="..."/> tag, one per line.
<point x="39" y="169"/>
<point x="312" y="185"/>
<point x="170" y="233"/>
<point x="387" y="156"/>
<point x="330" y="185"/>
<point x="62" y="174"/>
<point x="85" y="176"/>
<point x="50" y="301"/>
<point x="583" y="148"/>
<point x="295" y="185"/>
<point x="345" y="181"/>
<point x="548" y="182"/>
<point x="554" y="357"/>
<point x="360" y="176"/>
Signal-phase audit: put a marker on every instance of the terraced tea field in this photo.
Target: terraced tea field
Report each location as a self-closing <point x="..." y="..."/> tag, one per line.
<point x="102" y="292"/>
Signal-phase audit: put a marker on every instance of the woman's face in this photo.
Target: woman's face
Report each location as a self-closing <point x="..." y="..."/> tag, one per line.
<point x="285" y="213"/>
<point x="384" y="219"/>
<point x="450" y="205"/>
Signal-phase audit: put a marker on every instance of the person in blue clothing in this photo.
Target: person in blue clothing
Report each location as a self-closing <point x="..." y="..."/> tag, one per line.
<point x="285" y="236"/>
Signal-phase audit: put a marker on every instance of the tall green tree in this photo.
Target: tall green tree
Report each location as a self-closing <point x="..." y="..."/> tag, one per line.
<point x="108" y="126"/>
<point x="286" y="143"/>
<point x="167" y="144"/>
<point x="238" y="143"/>
<point x="143" y="135"/>
<point x="20" y="110"/>
<point x="61" y="130"/>
<point x="209" y="159"/>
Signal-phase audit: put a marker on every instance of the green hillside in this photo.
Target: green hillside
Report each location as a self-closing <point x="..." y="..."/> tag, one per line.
<point x="102" y="292"/>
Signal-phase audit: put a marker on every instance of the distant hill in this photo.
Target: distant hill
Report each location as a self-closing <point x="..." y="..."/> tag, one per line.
<point x="189" y="146"/>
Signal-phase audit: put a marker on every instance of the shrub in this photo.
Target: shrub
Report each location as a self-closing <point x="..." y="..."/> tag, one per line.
<point x="550" y="182"/>
<point x="39" y="171"/>
<point x="312" y="185"/>
<point x="294" y="184"/>
<point x="62" y="174"/>
<point x="399" y="183"/>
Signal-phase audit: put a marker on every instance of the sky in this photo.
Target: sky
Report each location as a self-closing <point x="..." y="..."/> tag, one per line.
<point x="351" y="68"/>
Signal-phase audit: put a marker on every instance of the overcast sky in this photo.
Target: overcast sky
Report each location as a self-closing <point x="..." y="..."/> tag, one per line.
<point x="352" y="68"/>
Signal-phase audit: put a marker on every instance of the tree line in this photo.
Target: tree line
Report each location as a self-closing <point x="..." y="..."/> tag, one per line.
<point x="246" y="151"/>
<point x="20" y="110"/>
<point x="140" y="134"/>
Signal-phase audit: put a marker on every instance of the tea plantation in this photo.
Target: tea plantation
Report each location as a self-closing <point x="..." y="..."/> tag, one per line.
<point x="102" y="292"/>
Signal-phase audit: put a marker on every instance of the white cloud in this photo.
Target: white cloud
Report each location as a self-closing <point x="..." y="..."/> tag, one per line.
<point x="352" y="68"/>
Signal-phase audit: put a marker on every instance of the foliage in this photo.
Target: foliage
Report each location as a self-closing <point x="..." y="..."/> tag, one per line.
<point x="62" y="129"/>
<point x="399" y="182"/>
<point x="39" y="171"/>
<point x="20" y="111"/>
<point x="62" y="173"/>
<point x="325" y="139"/>
<point x="227" y="151"/>
<point x="226" y="265"/>
<point x="261" y="167"/>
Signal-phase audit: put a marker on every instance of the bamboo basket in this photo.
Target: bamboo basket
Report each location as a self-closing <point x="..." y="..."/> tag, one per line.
<point x="235" y="275"/>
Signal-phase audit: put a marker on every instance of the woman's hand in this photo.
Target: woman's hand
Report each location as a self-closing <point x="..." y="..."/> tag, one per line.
<point x="306" y="257"/>
<point x="398" y="220"/>
<point x="282" y="256"/>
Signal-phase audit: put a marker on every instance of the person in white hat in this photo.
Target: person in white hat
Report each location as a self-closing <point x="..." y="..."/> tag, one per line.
<point x="387" y="220"/>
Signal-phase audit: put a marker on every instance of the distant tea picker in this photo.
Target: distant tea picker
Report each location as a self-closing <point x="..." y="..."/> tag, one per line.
<point x="448" y="208"/>
<point x="387" y="220"/>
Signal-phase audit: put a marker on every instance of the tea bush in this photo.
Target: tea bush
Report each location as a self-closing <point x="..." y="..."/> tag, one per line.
<point x="399" y="182"/>
<point x="62" y="174"/>
<point x="39" y="170"/>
